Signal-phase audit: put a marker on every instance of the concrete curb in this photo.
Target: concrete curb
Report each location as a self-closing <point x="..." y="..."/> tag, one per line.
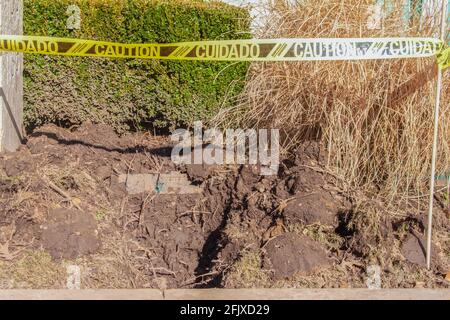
<point x="229" y="294"/>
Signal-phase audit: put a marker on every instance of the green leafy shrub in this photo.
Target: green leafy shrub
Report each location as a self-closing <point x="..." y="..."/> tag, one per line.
<point x="124" y="92"/>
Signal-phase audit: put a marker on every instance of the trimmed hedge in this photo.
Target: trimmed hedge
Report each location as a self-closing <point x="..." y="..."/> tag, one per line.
<point x="123" y="92"/>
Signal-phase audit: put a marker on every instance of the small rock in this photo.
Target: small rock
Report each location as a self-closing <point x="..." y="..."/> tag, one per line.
<point x="413" y="250"/>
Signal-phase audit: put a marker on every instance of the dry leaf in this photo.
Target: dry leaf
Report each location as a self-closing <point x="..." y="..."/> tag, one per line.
<point x="447" y="276"/>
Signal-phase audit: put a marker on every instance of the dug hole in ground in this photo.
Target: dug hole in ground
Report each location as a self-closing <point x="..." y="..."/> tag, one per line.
<point x="65" y="201"/>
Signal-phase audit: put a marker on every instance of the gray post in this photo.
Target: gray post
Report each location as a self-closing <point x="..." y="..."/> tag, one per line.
<point x="11" y="79"/>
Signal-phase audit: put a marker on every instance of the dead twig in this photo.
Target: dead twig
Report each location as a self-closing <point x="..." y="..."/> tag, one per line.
<point x="61" y="192"/>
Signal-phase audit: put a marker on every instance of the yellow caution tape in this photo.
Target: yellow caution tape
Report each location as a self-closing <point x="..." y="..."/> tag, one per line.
<point x="236" y="50"/>
<point x="443" y="58"/>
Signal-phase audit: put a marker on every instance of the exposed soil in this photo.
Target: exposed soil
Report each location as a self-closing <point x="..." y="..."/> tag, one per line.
<point x="70" y="233"/>
<point x="61" y="198"/>
<point x="291" y="253"/>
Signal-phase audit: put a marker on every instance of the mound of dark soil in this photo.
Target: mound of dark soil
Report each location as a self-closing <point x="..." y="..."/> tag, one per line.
<point x="291" y="254"/>
<point x="297" y="222"/>
<point x="69" y="233"/>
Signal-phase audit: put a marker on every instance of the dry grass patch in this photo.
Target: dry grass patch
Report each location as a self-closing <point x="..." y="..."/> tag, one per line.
<point x="247" y="272"/>
<point x="34" y="270"/>
<point x="375" y="116"/>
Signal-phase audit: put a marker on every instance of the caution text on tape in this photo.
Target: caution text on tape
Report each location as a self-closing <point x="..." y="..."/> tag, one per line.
<point x="236" y="50"/>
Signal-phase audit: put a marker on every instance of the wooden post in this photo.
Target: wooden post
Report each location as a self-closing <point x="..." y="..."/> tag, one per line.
<point x="11" y="79"/>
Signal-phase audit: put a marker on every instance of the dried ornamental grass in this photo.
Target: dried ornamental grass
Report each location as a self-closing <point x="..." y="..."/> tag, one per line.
<point x="376" y="117"/>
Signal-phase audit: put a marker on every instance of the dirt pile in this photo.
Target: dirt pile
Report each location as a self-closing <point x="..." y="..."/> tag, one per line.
<point x="69" y="234"/>
<point x="290" y="254"/>
<point x="64" y="196"/>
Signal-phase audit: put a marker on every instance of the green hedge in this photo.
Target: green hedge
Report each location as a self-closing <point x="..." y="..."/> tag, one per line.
<point x="130" y="93"/>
